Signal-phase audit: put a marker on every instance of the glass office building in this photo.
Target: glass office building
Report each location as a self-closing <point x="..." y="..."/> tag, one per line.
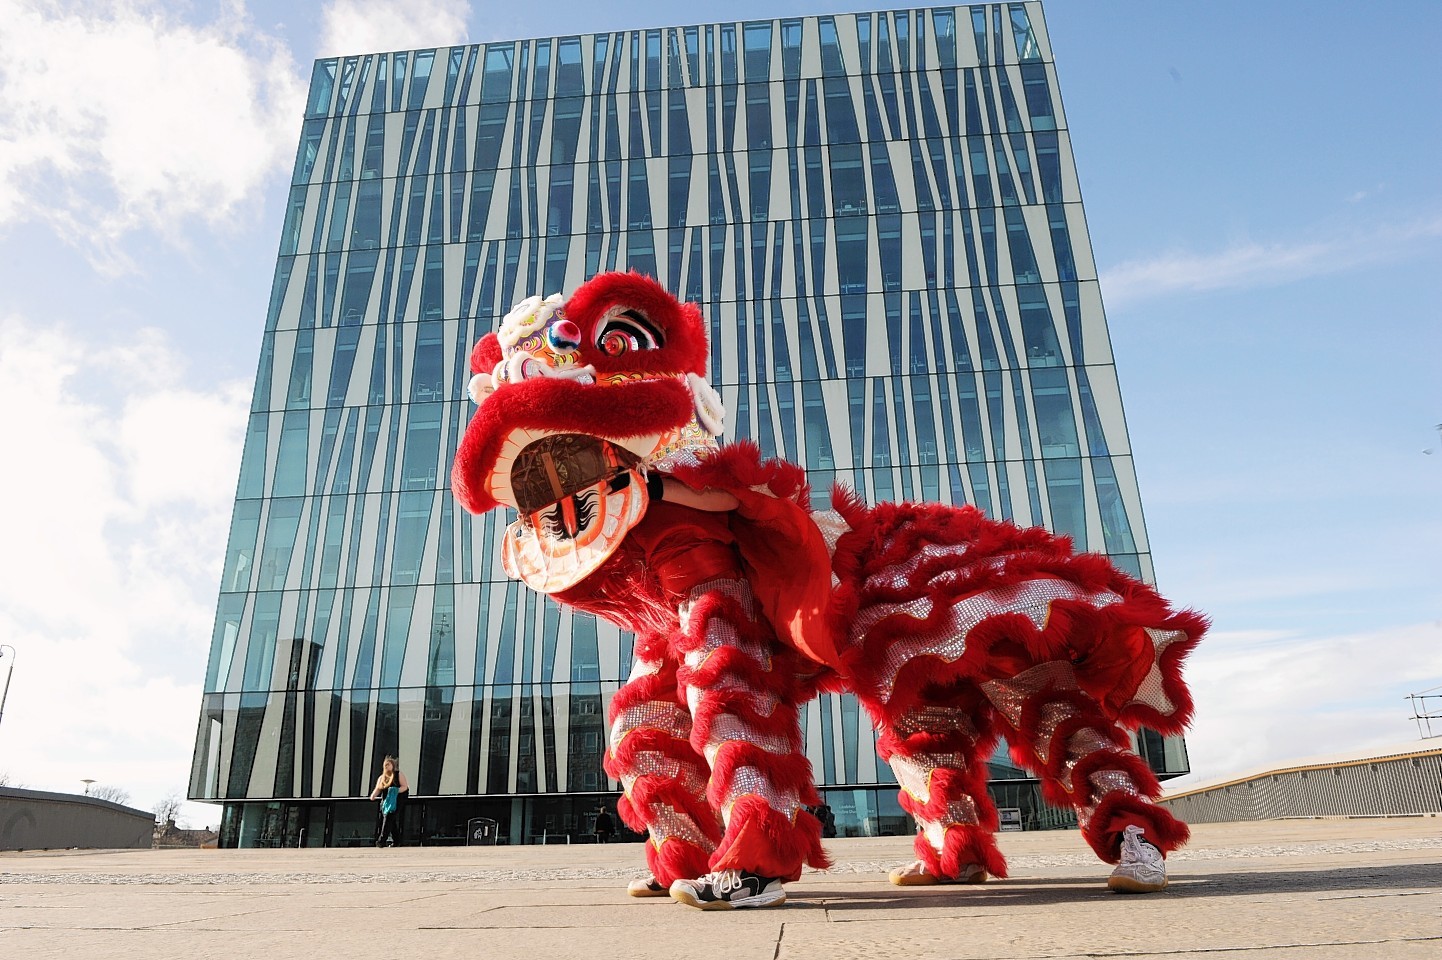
<point x="879" y="216"/>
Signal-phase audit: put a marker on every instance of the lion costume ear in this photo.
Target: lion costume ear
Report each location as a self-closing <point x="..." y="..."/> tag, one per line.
<point x="486" y="354"/>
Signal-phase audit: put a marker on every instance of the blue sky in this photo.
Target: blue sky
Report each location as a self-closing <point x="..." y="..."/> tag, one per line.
<point x="1262" y="193"/>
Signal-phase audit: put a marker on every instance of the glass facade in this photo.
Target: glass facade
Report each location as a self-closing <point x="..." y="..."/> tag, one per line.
<point x="878" y="215"/>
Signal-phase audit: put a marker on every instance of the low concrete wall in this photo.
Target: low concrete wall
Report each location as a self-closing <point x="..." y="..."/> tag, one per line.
<point x="1405" y="784"/>
<point x="36" y="820"/>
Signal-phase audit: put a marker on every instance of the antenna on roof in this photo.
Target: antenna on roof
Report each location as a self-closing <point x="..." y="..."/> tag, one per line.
<point x="1426" y="707"/>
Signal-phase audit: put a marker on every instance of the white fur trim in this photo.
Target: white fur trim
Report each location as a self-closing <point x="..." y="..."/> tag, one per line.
<point x="710" y="411"/>
<point x="527" y="317"/>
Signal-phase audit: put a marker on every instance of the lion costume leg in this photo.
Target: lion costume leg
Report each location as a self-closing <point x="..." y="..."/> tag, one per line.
<point x="938" y="749"/>
<point x="742" y="689"/>
<point x="1082" y="758"/>
<point x="1065" y="648"/>
<point x="663" y="777"/>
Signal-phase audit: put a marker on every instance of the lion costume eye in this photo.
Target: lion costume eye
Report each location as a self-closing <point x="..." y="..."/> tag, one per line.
<point x="627" y="332"/>
<point x="616" y="342"/>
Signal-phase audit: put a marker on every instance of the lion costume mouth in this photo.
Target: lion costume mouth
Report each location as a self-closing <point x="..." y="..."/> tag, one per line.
<point x="559" y="466"/>
<point x="576" y="401"/>
<point x="578" y="496"/>
<point x="635" y="417"/>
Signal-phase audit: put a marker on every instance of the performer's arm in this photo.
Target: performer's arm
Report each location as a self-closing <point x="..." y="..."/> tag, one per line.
<point x="674" y="491"/>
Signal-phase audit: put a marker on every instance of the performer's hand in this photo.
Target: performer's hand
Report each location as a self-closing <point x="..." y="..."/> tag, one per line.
<point x="710" y="500"/>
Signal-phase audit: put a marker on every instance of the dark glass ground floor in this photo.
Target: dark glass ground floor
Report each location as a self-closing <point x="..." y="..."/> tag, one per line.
<point x="870" y="810"/>
<point x="866" y="811"/>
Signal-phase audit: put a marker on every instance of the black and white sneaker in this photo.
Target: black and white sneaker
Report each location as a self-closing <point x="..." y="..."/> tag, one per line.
<point x="729" y="890"/>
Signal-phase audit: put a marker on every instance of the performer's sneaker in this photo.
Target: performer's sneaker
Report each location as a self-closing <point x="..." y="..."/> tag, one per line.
<point x="729" y="890"/>
<point x="646" y="887"/>
<point x="915" y="874"/>
<point x="1143" y="869"/>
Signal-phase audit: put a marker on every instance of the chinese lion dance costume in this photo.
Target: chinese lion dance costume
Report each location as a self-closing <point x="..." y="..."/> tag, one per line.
<point x="596" y="425"/>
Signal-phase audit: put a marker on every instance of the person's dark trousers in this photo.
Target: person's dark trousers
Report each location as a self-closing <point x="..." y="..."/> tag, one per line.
<point x="390" y="831"/>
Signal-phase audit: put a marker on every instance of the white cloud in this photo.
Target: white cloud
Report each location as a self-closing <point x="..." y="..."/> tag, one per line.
<point x="116" y="115"/>
<point x="1360" y="195"/>
<point x="351" y="27"/>
<point x="1250" y="265"/>
<point x="118" y="489"/>
<point x="1266" y="698"/>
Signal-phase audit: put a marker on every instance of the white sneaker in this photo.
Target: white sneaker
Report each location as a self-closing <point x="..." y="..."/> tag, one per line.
<point x="1143" y="868"/>
<point x="915" y="874"/>
<point x="729" y="890"/>
<point x="646" y="887"/>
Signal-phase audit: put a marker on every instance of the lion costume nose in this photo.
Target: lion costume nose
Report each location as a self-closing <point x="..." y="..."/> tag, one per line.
<point x="564" y="336"/>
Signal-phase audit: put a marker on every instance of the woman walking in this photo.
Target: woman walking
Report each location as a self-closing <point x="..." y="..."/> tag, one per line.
<point x="390" y="785"/>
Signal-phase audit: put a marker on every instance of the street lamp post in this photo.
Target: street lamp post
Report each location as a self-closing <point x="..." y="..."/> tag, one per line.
<point x="9" y="669"/>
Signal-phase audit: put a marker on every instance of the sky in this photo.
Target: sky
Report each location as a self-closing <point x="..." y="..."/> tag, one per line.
<point x="1262" y="194"/>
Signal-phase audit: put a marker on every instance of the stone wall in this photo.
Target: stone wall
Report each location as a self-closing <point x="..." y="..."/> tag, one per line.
<point x="1388" y="786"/>
<point x="37" y="820"/>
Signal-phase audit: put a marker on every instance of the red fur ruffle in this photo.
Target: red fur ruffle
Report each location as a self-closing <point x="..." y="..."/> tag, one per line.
<point x="652" y="687"/>
<point x="789" y="773"/>
<point x="683" y="331"/>
<point x="764" y="841"/>
<point x="651" y="647"/>
<point x="1085" y="713"/>
<point x="948" y="784"/>
<point x="781" y="722"/>
<point x="1117" y="811"/>
<point x="1119" y="759"/>
<point x="739" y="465"/>
<point x="959" y="740"/>
<point x="624" y="591"/>
<point x="1108" y="645"/>
<point x="1136" y="714"/>
<point x="486" y="354"/>
<point x="685" y="792"/>
<point x="965" y="844"/>
<point x="729" y="663"/>
<point x="676" y="859"/>
<point x="650" y="740"/>
<point x="720" y="606"/>
<point x="651" y="793"/>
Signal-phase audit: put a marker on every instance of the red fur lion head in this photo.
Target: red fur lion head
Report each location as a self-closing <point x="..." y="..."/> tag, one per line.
<point x="622" y="361"/>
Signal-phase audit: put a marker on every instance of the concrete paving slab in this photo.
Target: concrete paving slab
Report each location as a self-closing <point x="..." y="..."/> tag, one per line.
<point x="1406" y="950"/>
<point x="542" y="944"/>
<point x="478" y="911"/>
<point x="1299" y="890"/>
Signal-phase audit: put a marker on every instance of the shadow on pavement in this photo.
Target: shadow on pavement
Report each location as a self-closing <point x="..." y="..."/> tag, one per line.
<point x="1316" y="884"/>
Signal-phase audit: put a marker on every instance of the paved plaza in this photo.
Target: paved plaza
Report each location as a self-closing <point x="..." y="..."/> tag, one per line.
<point x="1300" y="890"/>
